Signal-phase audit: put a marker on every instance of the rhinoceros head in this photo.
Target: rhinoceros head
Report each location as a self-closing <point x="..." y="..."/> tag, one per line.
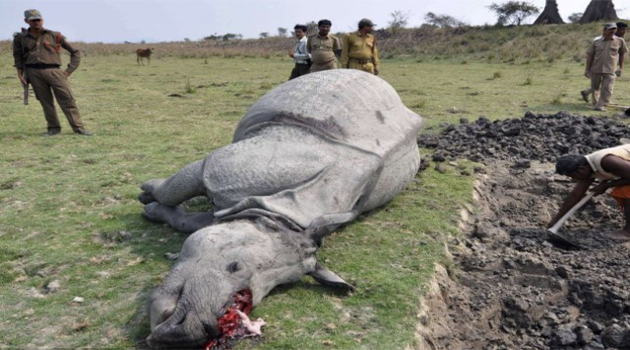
<point x="219" y="261"/>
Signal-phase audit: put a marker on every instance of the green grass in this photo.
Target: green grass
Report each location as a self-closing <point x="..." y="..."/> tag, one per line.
<point x="68" y="209"/>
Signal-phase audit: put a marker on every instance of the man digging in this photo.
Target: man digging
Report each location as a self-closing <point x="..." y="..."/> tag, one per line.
<point x="612" y="167"/>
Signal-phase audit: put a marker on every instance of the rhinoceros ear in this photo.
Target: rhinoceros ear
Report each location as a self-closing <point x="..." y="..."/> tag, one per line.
<point x="329" y="278"/>
<point x="325" y="224"/>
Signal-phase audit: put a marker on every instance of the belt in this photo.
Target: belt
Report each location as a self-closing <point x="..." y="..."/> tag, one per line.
<point x="360" y="60"/>
<point x="302" y="62"/>
<point x="42" y="66"/>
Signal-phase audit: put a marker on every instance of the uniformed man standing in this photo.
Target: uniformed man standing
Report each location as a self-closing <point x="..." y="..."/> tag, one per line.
<point x="601" y="65"/>
<point x="359" y="49"/>
<point x="301" y="57"/>
<point x="621" y="31"/>
<point x="323" y="47"/>
<point x="36" y="51"/>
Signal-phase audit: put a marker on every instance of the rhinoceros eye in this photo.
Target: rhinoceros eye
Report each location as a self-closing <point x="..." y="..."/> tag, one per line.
<point x="233" y="267"/>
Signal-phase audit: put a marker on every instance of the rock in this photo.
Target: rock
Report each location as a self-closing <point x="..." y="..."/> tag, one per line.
<point x="562" y="272"/>
<point x="594" y="346"/>
<point x="78" y="300"/>
<point x="563" y="337"/>
<point x="523" y="164"/>
<point x="612" y="337"/>
<point x="171" y="256"/>
<point x="440" y="169"/>
<point x="34" y="293"/>
<point x="584" y="334"/>
<point x="438" y="157"/>
<point x="479" y="170"/>
<point x="53" y="286"/>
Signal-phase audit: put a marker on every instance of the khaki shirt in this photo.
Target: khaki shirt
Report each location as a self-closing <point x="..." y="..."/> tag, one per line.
<point x="359" y="47"/>
<point x="28" y="49"/>
<point x="603" y="54"/>
<point x="322" y="49"/>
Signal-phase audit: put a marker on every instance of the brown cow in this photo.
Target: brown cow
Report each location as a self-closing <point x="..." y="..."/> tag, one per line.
<point x="144" y="53"/>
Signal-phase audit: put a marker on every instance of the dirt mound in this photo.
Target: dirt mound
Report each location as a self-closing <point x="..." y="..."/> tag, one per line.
<point x="515" y="290"/>
<point x="534" y="137"/>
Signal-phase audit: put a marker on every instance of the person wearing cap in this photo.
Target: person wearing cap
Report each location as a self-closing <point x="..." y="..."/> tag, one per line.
<point x="359" y="49"/>
<point x="323" y="47"/>
<point x="602" y="58"/>
<point x="620" y="32"/>
<point x="36" y="53"/>
<point x="301" y="57"/>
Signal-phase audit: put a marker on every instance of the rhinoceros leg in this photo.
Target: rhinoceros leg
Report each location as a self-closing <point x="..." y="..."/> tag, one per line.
<point x="184" y="185"/>
<point x="177" y="217"/>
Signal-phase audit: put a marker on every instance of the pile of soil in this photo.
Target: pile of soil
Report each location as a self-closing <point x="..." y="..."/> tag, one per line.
<point x="534" y="137"/>
<point x="512" y="289"/>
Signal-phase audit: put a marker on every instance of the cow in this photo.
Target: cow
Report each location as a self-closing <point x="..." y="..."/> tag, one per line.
<point x="144" y="53"/>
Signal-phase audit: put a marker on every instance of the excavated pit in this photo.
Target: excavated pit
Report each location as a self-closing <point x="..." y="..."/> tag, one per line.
<point x="514" y="290"/>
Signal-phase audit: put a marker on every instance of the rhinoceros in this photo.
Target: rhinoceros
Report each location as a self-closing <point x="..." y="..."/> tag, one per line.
<point x="310" y="155"/>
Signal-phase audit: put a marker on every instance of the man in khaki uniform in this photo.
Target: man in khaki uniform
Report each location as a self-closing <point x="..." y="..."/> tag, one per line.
<point x="323" y="48"/>
<point x="359" y="49"/>
<point x="621" y="31"/>
<point x="36" y="51"/>
<point x="601" y="65"/>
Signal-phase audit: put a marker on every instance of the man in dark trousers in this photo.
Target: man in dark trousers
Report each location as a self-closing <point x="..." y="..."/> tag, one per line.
<point x="36" y="51"/>
<point x="301" y="57"/>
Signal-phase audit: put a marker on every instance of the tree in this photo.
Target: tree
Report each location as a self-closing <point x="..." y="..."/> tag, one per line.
<point x="264" y="35"/>
<point x="399" y="20"/>
<point x="229" y="36"/>
<point x="575" y="17"/>
<point x="513" y="12"/>
<point x="311" y="28"/>
<point x="282" y="31"/>
<point x="550" y="14"/>
<point x="599" y="10"/>
<point x="442" y="20"/>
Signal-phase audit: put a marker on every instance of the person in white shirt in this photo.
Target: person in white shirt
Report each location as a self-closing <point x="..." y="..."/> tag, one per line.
<point x="611" y="166"/>
<point x="301" y="57"/>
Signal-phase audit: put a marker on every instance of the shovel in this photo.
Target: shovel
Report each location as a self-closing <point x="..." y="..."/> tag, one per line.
<point x="557" y="239"/>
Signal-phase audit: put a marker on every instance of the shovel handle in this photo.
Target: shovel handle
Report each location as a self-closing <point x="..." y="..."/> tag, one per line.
<point x="575" y="208"/>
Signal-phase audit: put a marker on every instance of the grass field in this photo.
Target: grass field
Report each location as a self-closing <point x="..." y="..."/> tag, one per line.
<point x="68" y="209"/>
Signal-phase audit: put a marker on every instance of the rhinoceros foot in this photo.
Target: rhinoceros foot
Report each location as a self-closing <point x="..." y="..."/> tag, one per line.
<point x="156" y="212"/>
<point x="148" y="188"/>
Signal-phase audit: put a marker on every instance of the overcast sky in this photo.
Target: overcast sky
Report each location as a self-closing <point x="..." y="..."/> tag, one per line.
<point x="174" y="20"/>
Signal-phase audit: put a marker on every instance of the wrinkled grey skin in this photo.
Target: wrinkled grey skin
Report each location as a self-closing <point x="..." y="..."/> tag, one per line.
<point x="309" y="156"/>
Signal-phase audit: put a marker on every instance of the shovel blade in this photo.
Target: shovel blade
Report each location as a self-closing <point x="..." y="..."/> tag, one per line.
<point x="562" y="242"/>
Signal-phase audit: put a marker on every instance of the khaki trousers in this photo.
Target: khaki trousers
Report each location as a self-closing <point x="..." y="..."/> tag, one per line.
<point x="45" y="82"/>
<point x="323" y="66"/>
<point x="366" y="67"/>
<point x="602" y="87"/>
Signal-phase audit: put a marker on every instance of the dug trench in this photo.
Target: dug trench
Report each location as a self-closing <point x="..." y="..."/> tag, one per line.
<point x="511" y="288"/>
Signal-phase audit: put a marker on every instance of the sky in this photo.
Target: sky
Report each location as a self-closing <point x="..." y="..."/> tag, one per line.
<point x="174" y="20"/>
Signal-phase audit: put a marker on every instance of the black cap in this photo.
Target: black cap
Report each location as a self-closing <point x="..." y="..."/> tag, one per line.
<point x="366" y="23"/>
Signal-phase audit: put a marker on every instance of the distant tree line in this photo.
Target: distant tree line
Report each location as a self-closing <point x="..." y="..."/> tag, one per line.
<point x="508" y="13"/>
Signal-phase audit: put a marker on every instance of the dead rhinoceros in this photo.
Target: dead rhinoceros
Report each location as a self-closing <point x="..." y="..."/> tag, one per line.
<point x="309" y="156"/>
